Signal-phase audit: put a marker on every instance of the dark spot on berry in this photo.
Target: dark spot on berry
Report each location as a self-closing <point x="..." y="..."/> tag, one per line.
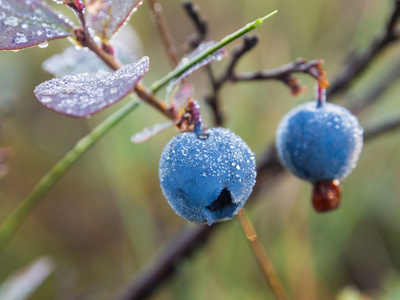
<point x="223" y="207"/>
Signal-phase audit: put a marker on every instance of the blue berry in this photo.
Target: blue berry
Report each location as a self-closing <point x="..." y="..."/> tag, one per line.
<point x="207" y="178"/>
<point x="319" y="142"/>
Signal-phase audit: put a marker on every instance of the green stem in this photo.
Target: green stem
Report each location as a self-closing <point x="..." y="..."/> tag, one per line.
<point x="13" y="221"/>
<point x="226" y="40"/>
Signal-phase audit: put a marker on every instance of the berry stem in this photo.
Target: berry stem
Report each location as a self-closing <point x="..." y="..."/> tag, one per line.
<point x="320" y="94"/>
<point x="196" y="115"/>
<point x="261" y="255"/>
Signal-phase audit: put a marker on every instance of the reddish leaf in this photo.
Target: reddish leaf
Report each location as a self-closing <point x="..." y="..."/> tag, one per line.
<point x="27" y="23"/>
<point x="85" y="94"/>
<point x="105" y="17"/>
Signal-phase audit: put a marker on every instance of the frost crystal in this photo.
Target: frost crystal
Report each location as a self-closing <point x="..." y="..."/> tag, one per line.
<point x="85" y="94"/>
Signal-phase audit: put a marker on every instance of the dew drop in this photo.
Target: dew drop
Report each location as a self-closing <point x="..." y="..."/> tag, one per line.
<point x="21" y="38"/>
<point x="49" y="33"/>
<point x="43" y="45"/>
<point x="46" y="100"/>
<point x="11" y="21"/>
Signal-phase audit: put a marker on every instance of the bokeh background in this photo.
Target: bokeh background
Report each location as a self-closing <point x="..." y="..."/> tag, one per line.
<point x="107" y="218"/>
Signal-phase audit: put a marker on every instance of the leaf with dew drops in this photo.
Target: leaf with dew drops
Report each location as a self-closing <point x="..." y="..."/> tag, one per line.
<point x="85" y="94"/>
<point x="27" y="23"/>
<point x="105" y="17"/>
<point x="127" y="47"/>
<point x="217" y="55"/>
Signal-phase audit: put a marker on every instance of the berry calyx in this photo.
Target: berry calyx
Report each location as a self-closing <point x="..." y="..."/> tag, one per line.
<point x="326" y="195"/>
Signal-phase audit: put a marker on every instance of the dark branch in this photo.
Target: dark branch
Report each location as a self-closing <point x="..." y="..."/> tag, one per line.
<point x="249" y="42"/>
<point x="375" y="130"/>
<point x="284" y="74"/>
<point x="201" y="24"/>
<point x="164" y="31"/>
<point x="161" y="268"/>
<point x="202" y="29"/>
<point x="375" y="92"/>
<point x="359" y="63"/>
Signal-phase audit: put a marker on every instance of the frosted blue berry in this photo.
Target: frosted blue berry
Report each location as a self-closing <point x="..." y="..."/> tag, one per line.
<point x="207" y="178"/>
<point x="319" y="142"/>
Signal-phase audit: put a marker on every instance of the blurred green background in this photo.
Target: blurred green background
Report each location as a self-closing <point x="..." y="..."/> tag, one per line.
<point x="106" y="218"/>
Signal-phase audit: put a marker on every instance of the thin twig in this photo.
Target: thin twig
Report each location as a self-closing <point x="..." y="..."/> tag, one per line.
<point x="283" y="74"/>
<point x="163" y="107"/>
<point x="249" y="42"/>
<point x="261" y="255"/>
<point x="183" y="245"/>
<point x="372" y="131"/>
<point x="164" y="31"/>
<point x="200" y="24"/>
<point x="374" y="93"/>
<point x="360" y="62"/>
